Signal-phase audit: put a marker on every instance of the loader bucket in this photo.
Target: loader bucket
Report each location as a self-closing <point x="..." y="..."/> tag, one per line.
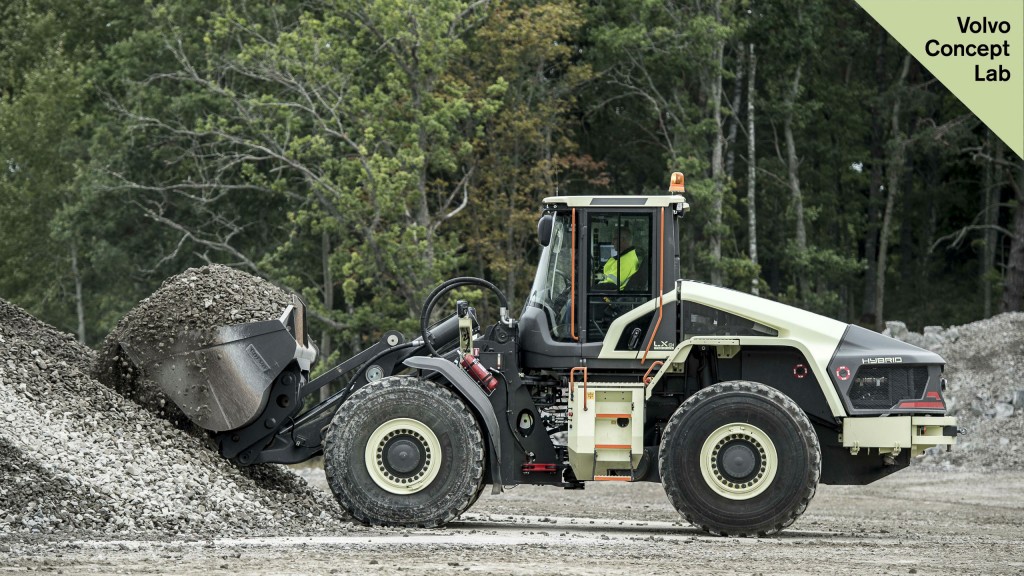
<point x="221" y="377"/>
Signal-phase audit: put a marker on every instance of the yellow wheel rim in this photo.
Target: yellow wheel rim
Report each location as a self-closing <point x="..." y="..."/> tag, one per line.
<point x="408" y="435"/>
<point x="738" y="461"/>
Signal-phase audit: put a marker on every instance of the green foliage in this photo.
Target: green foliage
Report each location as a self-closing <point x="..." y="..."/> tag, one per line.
<point x="360" y="152"/>
<point x="522" y="58"/>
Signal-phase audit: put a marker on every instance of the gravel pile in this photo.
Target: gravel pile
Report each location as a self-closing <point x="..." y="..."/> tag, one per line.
<point x="75" y="455"/>
<point x="984" y="361"/>
<point x="195" y="300"/>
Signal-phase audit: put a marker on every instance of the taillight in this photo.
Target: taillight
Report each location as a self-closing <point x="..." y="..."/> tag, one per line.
<point x="932" y="400"/>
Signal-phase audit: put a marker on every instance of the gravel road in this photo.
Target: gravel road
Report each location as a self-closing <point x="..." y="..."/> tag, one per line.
<point x="918" y="521"/>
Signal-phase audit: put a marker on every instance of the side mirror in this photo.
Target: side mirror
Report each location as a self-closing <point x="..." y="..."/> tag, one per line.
<point x="544" y="226"/>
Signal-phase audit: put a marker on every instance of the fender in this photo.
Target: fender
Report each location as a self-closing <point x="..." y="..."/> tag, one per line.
<point x="471" y="391"/>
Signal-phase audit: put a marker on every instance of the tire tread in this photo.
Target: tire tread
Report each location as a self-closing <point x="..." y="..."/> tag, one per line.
<point x="674" y="491"/>
<point x="335" y="451"/>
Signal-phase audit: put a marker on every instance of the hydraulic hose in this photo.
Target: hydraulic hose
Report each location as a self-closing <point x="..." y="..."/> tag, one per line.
<point x="448" y="286"/>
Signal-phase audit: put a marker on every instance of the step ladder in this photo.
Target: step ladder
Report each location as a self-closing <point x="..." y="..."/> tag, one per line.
<point x="606" y="422"/>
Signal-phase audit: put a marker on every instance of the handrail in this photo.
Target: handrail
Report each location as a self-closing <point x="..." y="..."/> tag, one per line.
<point x="661" y="290"/>
<point x="572" y="282"/>
<point x="647" y="375"/>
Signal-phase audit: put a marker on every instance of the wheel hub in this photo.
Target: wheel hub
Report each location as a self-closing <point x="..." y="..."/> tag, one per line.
<point x="403" y="456"/>
<point x="738" y="461"/>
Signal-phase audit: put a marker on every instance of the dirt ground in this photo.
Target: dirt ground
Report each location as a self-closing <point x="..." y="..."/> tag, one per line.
<point x="918" y="521"/>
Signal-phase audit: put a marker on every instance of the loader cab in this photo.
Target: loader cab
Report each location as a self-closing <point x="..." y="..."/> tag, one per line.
<point x="618" y="268"/>
<point x="603" y="258"/>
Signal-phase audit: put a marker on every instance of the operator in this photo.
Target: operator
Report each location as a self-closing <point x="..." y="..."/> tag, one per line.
<point x="621" y="267"/>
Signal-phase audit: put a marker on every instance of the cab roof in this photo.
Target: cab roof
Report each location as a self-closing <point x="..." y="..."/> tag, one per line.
<point x="615" y="201"/>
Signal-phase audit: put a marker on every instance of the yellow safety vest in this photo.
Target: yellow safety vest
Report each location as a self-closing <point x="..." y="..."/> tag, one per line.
<point x="618" y="270"/>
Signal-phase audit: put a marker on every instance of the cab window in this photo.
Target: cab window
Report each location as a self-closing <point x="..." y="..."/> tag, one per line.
<point x="551" y="286"/>
<point x="618" y="268"/>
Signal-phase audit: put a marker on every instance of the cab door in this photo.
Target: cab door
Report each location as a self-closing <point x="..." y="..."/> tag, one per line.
<point x="617" y="270"/>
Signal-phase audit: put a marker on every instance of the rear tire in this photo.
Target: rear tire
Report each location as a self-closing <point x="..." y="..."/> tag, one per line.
<point x="404" y="452"/>
<point x="740" y="459"/>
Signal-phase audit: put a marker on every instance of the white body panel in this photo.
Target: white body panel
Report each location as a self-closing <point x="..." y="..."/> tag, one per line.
<point x="606" y="427"/>
<point x="618" y="201"/>
<point x="890" y="434"/>
<point x="814" y="335"/>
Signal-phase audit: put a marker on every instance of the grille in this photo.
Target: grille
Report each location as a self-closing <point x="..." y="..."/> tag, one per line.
<point x="883" y="386"/>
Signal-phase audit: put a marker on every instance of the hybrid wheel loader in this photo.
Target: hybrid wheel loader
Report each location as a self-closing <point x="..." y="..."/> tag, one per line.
<point x="738" y="405"/>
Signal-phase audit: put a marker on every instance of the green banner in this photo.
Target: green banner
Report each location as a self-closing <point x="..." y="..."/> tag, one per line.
<point x="974" y="47"/>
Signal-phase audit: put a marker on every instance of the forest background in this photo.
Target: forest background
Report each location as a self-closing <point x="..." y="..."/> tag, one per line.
<point x="361" y="151"/>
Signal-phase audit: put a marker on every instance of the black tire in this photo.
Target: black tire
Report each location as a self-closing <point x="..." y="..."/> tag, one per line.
<point x="476" y="496"/>
<point x="412" y="420"/>
<point x="738" y="488"/>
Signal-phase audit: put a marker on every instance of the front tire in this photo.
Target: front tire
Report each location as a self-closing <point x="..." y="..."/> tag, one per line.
<point x="740" y="459"/>
<point x="404" y="452"/>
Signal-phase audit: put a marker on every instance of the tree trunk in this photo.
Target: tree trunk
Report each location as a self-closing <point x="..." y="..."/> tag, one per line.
<point x="1013" y="285"/>
<point x="894" y="172"/>
<point x="328" y="300"/>
<point x="793" y="163"/>
<point x="734" y="119"/>
<point x="868" y="312"/>
<point x="752" y="171"/>
<point x="717" y="164"/>
<point x="793" y="178"/>
<point x="990" y="201"/>
<point x="79" y="304"/>
<point x="892" y="182"/>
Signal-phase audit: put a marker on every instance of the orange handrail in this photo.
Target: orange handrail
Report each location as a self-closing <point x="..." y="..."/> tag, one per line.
<point x="647" y="375"/>
<point x="572" y="282"/>
<point x="661" y="289"/>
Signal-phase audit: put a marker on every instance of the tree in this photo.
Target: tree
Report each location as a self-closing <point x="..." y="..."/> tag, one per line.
<point x="347" y="117"/>
<point x="896" y="152"/>
<point x="359" y="152"/>
<point x="48" y="116"/>
<point x="658" y="107"/>
<point x="1013" y="287"/>
<point x="752" y="167"/>
<point x="523" y="54"/>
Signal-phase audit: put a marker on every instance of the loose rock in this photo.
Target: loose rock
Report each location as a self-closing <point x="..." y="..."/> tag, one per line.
<point x="75" y="455"/>
<point x="1003" y="410"/>
<point x="196" y="300"/>
<point x="984" y="361"/>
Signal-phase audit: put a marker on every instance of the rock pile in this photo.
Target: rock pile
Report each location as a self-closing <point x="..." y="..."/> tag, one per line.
<point x="195" y="300"/>
<point x="75" y="455"/>
<point x="984" y="362"/>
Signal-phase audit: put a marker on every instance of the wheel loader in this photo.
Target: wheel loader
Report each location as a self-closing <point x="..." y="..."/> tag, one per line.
<point x="616" y="370"/>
